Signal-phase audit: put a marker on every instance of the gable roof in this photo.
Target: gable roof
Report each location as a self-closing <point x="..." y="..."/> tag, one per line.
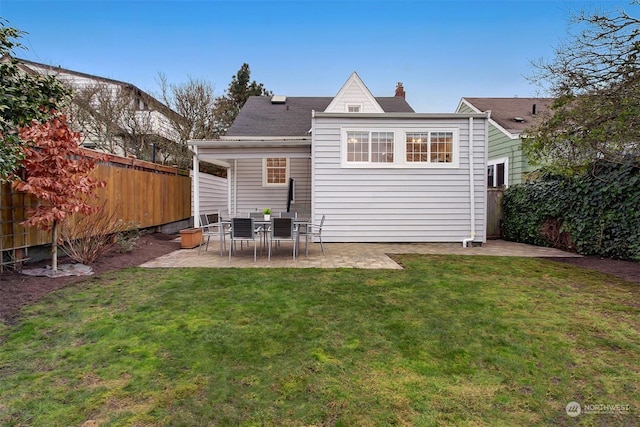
<point x="260" y="117"/>
<point x="513" y="115"/>
<point x="80" y="79"/>
<point x="354" y="87"/>
<point x="55" y="70"/>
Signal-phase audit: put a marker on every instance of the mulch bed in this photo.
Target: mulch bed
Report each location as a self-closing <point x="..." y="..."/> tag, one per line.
<point x="16" y="289"/>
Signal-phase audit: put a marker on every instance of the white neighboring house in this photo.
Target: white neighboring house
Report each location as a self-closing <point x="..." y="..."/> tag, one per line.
<point x="379" y="171"/>
<point x="146" y="116"/>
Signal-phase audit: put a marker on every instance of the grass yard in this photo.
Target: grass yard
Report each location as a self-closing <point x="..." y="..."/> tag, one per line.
<point x="450" y="340"/>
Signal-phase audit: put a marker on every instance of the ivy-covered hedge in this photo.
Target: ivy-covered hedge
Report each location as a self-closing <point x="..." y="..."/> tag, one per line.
<point x="596" y="213"/>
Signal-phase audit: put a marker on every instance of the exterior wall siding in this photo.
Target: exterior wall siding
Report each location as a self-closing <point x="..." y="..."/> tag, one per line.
<point x="252" y="196"/>
<point x="398" y="204"/>
<point x="464" y="108"/>
<point x="213" y="194"/>
<point x="500" y="145"/>
<point x="354" y="94"/>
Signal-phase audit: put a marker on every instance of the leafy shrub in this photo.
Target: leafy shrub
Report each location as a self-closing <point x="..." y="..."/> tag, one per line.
<point x="127" y="240"/>
<point x="596" y="213"/>
<point x="85" y="238"/>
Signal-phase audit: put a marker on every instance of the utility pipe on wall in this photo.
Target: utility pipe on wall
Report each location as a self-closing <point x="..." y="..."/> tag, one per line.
<point x="235" y="186"/>
<point x="472" y="194"/>
<point x="228" y="191"/>
<point x="196" y="188"/>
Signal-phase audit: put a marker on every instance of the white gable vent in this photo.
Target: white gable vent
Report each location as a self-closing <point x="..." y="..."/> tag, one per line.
<point x="278" y="99"/>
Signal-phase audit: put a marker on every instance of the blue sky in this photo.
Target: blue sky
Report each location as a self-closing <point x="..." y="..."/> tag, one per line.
<point x="440" y="50"/>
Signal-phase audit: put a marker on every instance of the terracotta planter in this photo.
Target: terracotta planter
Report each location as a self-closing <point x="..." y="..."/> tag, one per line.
<point x="190" y="238"/>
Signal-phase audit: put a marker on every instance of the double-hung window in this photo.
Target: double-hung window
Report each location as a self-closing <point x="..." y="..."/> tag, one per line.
<point x="275" y="172"/>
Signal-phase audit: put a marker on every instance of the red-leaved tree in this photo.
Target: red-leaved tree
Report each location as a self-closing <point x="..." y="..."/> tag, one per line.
<point x="58" y="174"/>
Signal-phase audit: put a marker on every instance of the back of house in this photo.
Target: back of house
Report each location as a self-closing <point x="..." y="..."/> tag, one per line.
<point x="376" y="169"/>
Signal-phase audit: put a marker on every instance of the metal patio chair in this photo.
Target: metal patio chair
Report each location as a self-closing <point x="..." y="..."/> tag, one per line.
<point x="311" y="231"/>
<point x="243" y="230"/>
<point x="216" y="229"/>
<point x="282" y="229"/>
<point x="288" y="214"/>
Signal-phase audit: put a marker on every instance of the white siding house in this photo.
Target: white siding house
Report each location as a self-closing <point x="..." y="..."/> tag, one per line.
<point x="399" y="200"/>
<point x="378" y="171"/>
<point x="148" y="115"/>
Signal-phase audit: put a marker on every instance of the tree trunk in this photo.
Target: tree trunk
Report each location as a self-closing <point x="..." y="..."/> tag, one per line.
<point x="54" y="246"/>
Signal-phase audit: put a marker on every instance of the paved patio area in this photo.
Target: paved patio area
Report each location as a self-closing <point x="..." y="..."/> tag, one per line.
<point x="343" y="255"/>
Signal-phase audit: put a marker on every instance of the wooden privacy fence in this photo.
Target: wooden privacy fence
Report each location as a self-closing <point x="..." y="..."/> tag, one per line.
<point x="138" y="191"/>
<point x="494" y="212"/>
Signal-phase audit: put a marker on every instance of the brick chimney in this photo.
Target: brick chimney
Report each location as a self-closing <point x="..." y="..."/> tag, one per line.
<point x="400" y="90"/>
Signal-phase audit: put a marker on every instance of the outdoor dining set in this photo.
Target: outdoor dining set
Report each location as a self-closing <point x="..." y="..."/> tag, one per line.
<point x="262" y="230"/>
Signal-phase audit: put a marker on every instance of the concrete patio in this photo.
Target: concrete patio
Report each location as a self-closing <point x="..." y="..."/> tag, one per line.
<point x="343" y="255"/>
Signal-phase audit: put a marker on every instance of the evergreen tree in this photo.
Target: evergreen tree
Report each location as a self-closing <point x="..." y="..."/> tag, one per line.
<point x="240" y="89"/>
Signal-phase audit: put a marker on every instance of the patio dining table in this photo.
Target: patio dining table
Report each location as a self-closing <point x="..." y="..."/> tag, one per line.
<point x="298" y="223"/>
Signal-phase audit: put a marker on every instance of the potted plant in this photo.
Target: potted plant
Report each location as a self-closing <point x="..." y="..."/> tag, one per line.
<point x="267" y="214"/>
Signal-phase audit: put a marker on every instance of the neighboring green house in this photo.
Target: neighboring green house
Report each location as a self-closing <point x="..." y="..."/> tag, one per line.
<point x="509" y="117"/>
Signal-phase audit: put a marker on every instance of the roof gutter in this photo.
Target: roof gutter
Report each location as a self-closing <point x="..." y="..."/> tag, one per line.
<point x="255" y="142"/>
<point x="414" y="116"/>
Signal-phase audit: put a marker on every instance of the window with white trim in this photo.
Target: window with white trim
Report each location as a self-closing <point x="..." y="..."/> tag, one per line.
<point x="497" y="172"/>
<point x="370" y="147"/>
<point x="429" y="147"/>
<point x="354" y="108"/>
<point x="417" y="147"/>
<point x="275" y="172"/>
<point x="384" y="148"/>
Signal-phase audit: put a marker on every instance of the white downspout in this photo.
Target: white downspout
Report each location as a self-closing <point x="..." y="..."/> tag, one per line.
<point x="235" y="186"/>
<point x="229" y="192"/>
<point x="312" y="167"/>
<point x="472" y="194"/>
<point x="196" y="188"/>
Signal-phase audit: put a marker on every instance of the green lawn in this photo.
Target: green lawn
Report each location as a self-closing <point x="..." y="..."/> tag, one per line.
<point x="450" y="340"/>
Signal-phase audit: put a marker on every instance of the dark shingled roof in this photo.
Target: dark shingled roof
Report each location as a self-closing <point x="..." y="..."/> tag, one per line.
<point x="505" y="110"/>
<point x="259" y="117"/>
